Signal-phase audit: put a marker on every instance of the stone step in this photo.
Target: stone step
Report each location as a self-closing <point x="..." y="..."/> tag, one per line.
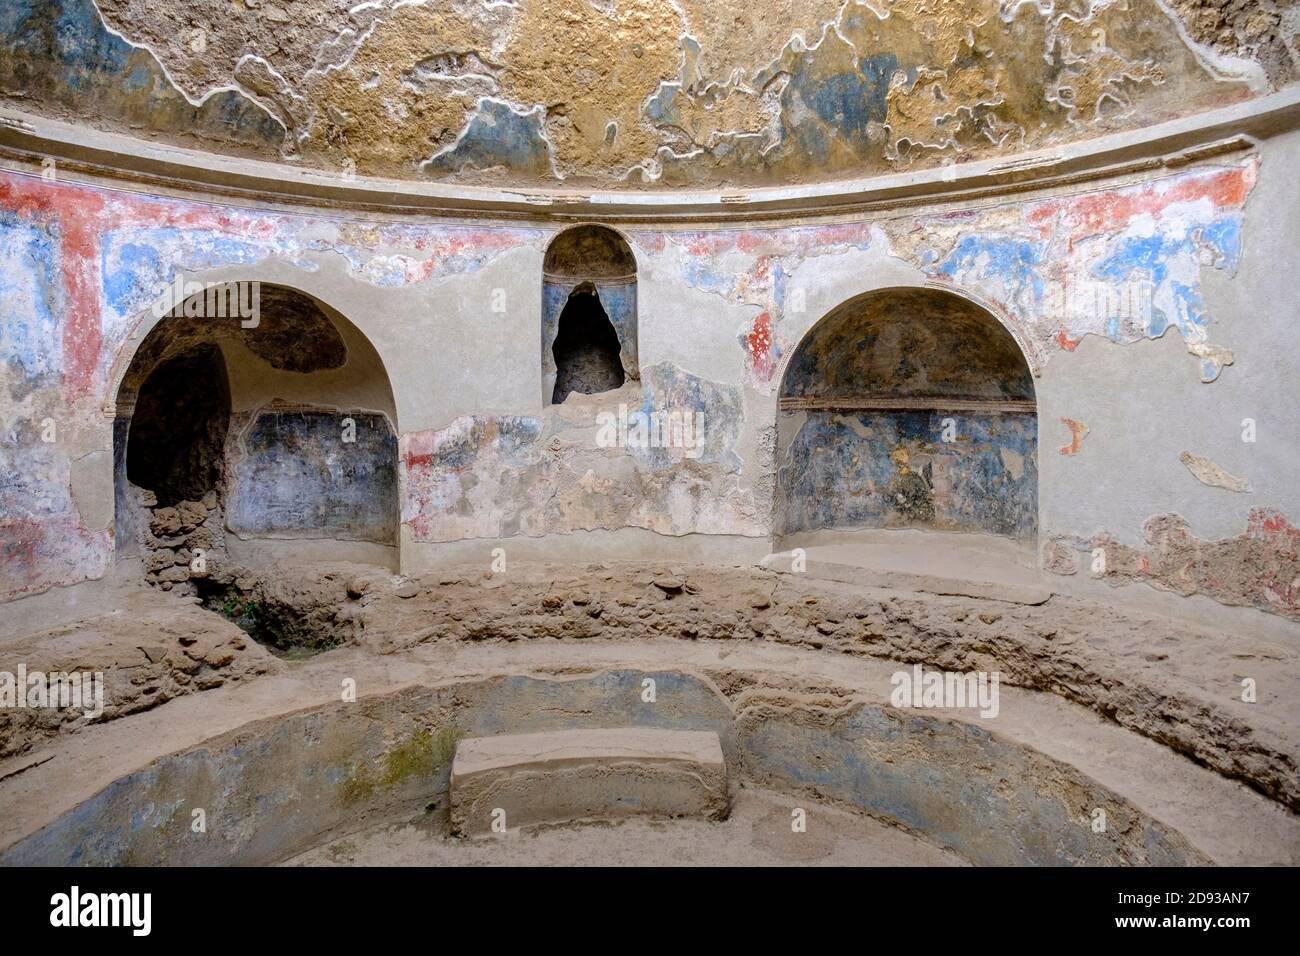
<point x="570" y="776"/>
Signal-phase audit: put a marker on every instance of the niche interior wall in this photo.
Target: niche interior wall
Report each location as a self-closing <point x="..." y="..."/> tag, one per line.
<point x="908" y="408"/>
<point x="270" y="421"/>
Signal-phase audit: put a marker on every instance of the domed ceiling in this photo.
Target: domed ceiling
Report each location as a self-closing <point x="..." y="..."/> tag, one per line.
<point x="635" y="93"/>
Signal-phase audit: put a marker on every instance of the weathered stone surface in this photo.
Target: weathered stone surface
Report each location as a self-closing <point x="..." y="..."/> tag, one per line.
<point x="165" y="522"/>
<point x="1087" y="653"/>
<point x="190" y="514"/>
<point x="586" y="775"/>
<point x="160" y="560"/>
<point x="201" y="538"/>
<point x="187" y="648"/>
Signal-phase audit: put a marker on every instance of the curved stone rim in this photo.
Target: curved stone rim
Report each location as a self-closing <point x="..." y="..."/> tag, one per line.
<point x="27" y="140"/>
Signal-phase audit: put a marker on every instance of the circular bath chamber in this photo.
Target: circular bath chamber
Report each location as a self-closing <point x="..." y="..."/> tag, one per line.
<point x="796" y="778"/>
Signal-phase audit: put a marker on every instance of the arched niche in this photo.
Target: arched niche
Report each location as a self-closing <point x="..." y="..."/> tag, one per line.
<point x="589" y="333"/>
<point x="908" y="408"/>
<point x="253" y="412"/>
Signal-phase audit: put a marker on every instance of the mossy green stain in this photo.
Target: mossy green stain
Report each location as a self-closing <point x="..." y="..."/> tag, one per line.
<point x="420" y="755"/>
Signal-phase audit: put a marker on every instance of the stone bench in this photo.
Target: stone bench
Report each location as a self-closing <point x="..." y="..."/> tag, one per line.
<point x="521" y="780"/>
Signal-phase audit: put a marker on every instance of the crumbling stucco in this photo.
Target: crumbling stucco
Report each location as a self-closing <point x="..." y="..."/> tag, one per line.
<point x="635" y="92"/>
<point x="1266" y="31"/>
<point x="1208" y="473"/>
<point x="1259" y="568"/>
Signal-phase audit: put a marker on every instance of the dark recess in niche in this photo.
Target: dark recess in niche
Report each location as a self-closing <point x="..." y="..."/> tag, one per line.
<point x="178" y="430"/>
<point x="586" y="349"/>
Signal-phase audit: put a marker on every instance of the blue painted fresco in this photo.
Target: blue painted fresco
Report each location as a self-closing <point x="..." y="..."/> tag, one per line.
<point x="893" y="469"/>
<point x="135" y="262"/>
<point x="30" y="300"/>
<point x="295" y="476"/>
<point x="827" y="108"/>
<point x="1013" y="260"/>
<point x="847" y="102"/>
<point x="1160" y="258"/>
<point x="619" y="302"/>
<point x="498" y="136"/>
<point x="719" y="411"/>
<point x="61" y="51"/>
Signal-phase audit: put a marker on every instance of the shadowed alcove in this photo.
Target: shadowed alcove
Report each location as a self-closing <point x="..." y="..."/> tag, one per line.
<point x="278" y="425"/>
<point x="588" y="313"/>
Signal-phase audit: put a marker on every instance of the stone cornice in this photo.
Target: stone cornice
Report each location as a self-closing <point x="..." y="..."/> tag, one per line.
<point x="82" y="154"/>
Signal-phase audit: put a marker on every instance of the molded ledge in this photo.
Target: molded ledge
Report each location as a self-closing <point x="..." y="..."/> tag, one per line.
<point x="26" y="139"/>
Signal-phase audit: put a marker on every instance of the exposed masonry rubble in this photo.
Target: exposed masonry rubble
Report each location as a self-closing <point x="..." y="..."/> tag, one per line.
<point x="1177" y="686"/>
<point x="149" y="650"/>
<point x="185" y="552"/>
<point x="681" y="92"/>
<point x="184" y="541"/>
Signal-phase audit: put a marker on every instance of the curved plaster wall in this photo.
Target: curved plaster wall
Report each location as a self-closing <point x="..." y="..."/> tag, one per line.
<point x="289" y="783"/>
<point x="1140" y="280"/>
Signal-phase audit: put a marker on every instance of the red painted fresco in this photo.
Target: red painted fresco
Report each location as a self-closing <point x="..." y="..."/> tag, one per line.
<point x="759" y="341"/>
<point x="1111" y="212"/>
<point x="1258" y="568"/>
<point x="1065" y="342"/>
<point x="81" y="216"/>
<point x="1077" y="432"/>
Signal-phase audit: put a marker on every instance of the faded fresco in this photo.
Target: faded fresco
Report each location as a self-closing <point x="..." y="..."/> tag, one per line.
<point x="631" y="92"/>
<point x="942" y="448"/>
<point x="847" y="471"/>
<point x="85" y="269"/>
<point x="497" y="477"/>
<point x="1256" y="568"/>
<point x="307" y="473"/>
<point x="1125" y="262"/>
